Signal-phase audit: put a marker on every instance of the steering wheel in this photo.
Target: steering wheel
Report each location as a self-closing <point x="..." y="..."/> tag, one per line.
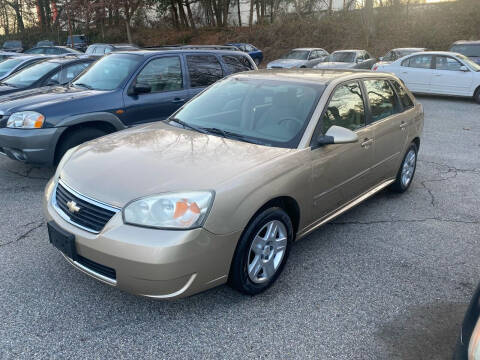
<point x="288" y="118"/>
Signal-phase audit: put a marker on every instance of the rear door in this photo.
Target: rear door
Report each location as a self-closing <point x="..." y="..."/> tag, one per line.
<point x="341" y="172"/>
<point x="202" y="70"/>
<point x="389" y="123"/>
<point x="448" y="79"/>
<point x="165" y="77"/>
<point x="416" y="72"/>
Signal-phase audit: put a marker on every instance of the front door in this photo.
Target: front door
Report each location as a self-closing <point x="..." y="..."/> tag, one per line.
<point x="341" y="172"/>
<point x="164" y="75"/>
<point x="448" y="79"/>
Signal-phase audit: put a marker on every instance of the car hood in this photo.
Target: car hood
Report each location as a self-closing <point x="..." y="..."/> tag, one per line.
<point x="5" y="89"/>
<point x="36" y="98"/>
<point x="335" y="65"/>
<point x="158" y="158"/>
<point x="286" y="63"/>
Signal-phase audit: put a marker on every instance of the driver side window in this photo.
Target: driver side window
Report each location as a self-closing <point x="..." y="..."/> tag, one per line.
<point x="162" y="74"/>
<point x="346" y="108"/>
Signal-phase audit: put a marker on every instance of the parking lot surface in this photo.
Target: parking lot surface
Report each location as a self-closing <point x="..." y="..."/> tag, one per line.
<point x="388" y="280"/>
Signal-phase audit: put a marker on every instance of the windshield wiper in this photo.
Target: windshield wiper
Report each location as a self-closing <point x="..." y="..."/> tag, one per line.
<point x="232" y="135"/>
<point x="83" y="85"/>
<point x="186" y="125"/>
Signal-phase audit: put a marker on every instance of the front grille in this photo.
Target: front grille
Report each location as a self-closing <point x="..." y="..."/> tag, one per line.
<point x="90" y="215"/>
<point x="98" y="268"/>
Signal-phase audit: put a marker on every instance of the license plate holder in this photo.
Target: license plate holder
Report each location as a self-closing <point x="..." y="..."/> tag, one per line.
<point x="62" y="240"/>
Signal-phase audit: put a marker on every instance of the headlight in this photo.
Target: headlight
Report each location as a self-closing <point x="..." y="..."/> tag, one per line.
<point x="26" y="120"/>
<point x="185" y="210"/>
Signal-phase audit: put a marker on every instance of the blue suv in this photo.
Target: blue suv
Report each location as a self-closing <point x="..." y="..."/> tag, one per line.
<point x="255" y="54"/>
<point x="120" y="90"/>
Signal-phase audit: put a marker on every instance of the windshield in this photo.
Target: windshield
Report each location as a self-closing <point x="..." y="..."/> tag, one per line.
<point x="467" y="50"/>
<point x="473" y="65"/>
<point x="297" y="54"/>
<point x="345" y="57"/>
<point x="29" y="75"/>
<point x="268" y="112"/>
<point x="109" y="72"/>
<point x="9" y="64"/>
<point x="12" y="44"/>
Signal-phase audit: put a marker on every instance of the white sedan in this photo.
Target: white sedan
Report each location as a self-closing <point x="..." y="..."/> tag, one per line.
<point x="438" y="73"/>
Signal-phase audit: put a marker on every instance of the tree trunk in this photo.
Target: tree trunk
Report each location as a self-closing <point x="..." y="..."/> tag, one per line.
<point x="257" y="8"/>
<point x="176" y="22"/>
<point x="250" y="19"/>
<point x="369" y="20"/>
<point x="190" y="15"/>
<point x="239" y="14"/>
<point x="183" y="16"/>
<point x="226" y="7"/>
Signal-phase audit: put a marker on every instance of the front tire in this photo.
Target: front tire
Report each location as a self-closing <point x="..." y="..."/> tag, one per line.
<point x="261" y="252"/>
<point x="74" y="138"/>
<point x="476" y="97"/>
<point x="407" y="170"/>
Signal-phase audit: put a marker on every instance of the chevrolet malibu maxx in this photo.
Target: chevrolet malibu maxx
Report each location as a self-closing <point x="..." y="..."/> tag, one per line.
<point x="220" y="190"/>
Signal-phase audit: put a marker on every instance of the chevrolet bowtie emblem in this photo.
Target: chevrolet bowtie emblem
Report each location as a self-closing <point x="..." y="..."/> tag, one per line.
<point x="72" y="207"/>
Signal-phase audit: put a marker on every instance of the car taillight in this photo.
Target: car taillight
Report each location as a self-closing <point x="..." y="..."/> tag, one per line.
<point x="375" y="68"/>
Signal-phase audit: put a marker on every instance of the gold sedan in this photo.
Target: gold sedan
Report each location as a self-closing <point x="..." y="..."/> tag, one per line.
<point x="219" y="191"/>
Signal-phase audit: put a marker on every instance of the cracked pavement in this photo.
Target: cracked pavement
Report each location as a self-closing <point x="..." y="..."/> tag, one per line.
<point x="389" y="279"/>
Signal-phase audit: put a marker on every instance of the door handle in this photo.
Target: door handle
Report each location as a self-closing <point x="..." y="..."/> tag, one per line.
<point x="177" y="100"/>
<point x="403" y="125"/>
<point x="366" y="142"/>
<point x="437" y="75"/>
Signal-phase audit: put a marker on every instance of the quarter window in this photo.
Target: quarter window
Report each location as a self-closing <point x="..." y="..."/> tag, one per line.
<point x="345" y="108"/>
<point x="237" y="63"/>
<point x="419" y="61"/>
<point x="402" y="94"/>
<point x="381" y="96"/>
<point x="204" y="70"/>
<point x="162" y="74"/>
<point x="447" y="63"/>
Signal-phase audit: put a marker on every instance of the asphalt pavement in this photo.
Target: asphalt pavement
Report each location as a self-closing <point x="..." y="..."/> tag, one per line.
<point x="390" y="279"/>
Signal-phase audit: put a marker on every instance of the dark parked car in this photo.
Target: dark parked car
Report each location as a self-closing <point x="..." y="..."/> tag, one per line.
<point x="119" y="90"/>
<point x="79" y="42"/>
<point x="12" y="46"/>
<point x="468" y="343"/>
<point x="7" y="55"/>
<point x="470" y="49"/>
<point x="53" y="50"/>
<point x="45" y="43"/>
<point x="299" y="58"/>
<point x="102" y="49"/>
<point x="56" y="71"/>
<point x="348" y="59"/>
<point x="12" y="65"/>
<point x="396" y="54"/>
<point x="255" y="53"/>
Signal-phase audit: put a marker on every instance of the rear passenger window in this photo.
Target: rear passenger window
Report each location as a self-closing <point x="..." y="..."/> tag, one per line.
<point x="402" y="94"/>
<point x="345" y="108"/>
<point x="204" y="70"/>
<point x="447" y="63"/>
<point x="419" y="62"/>
<point x="381" y="96"/>
<point x="236" y="63"/>
<point x="162" y="74"/>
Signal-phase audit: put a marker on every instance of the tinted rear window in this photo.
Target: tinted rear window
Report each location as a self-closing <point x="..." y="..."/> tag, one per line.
<point x="237" y="63"/>
<point x="467" y="50"/>
<point x="402" y="94"/>
<point x="204" y="70"/>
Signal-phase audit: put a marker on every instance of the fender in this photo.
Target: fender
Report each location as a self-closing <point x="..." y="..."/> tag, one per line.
<point x="96" y="116"/>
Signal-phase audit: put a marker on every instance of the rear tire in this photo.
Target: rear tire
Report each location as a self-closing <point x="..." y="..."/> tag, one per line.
<point x="261" y="252"/>
<point x="407" y="170"/>
<point x="257" y="62"/>
<point x="74" y="138"/>
<point x="476" y="97"/>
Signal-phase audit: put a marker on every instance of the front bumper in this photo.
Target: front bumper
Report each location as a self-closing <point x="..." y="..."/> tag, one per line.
<point x="164" y="264"/>
<point x="36" y="146"/>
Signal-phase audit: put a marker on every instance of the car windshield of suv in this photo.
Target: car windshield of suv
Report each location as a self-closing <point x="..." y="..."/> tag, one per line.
<point x="472" y="64"/>
<point x="297" y="55"/>
<point x="12" y="44"/>
<point x="344" y="56"/>
<point x="109" y="72"/>
<point x="261" y="111"/>
<point x="467" y="50"/>
<point x="9" y="64"/>
<point x="29" y="75"/>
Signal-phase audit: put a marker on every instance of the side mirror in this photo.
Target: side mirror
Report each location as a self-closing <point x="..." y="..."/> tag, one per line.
<point x="464" y="68"/>
<point x="140" y="88"/>
<point x="337" y="135"/>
